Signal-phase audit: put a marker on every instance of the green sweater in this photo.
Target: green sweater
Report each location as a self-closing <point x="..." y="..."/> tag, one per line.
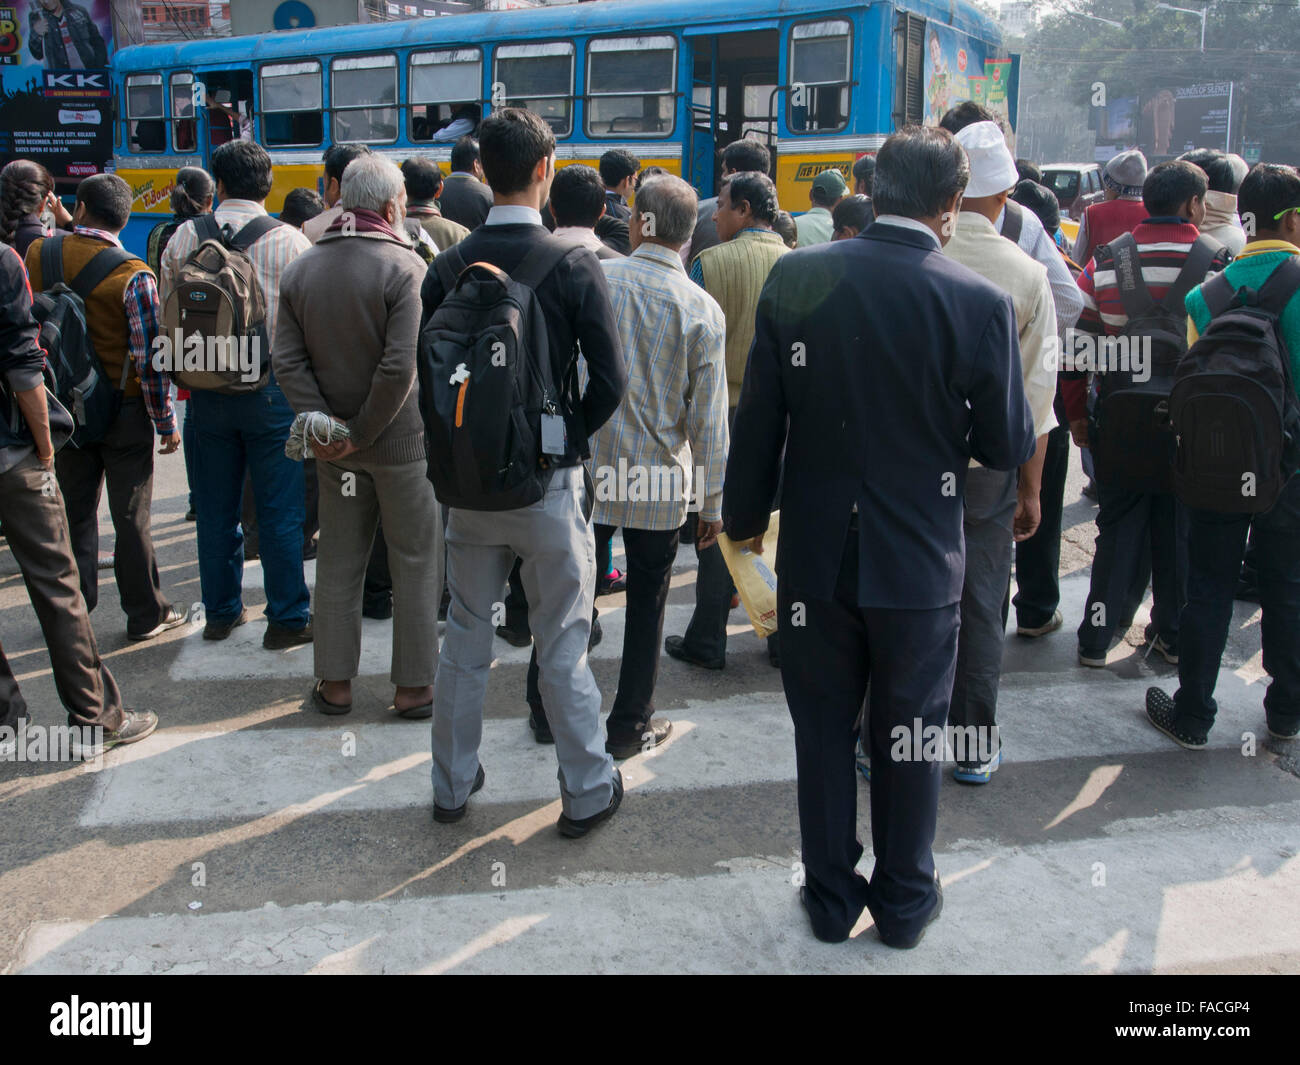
<point x="1252" y="268"/>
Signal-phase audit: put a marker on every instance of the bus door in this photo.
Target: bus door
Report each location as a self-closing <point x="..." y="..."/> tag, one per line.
<point x="224" y="102"/>
<point x="733" y="94"/>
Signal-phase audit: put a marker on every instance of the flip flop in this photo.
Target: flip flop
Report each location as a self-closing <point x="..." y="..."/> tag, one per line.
<point x="325" y="706"/>
<point x="416" y="713"/>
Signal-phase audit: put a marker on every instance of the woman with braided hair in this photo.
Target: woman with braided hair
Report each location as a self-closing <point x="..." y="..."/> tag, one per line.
<point x="191" y="197"/>
<point x="26" y="192"/>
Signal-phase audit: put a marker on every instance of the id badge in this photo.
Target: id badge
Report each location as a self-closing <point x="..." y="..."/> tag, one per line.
<point x="555" y="436"/>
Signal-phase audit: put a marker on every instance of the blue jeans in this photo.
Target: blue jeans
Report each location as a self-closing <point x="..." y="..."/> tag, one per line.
<point x="234" y="433"/>
<point x="1216" y="543"/>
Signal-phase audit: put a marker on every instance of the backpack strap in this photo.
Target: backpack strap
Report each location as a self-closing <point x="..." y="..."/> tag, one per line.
<point x="450" y="264"/>
<point x="1282" y="285"/>
<point x="206" y="228"/>
<point x="1014" y="222"/>
<point x="1133" y="291"/>
<point x="537" y="265"/>
<point x="52" y="260"/>
<point x="95" y="272"/>
<point x="253" y="232"/>
<point x="1219" y="295"/>
<point x="1195" y="267"/>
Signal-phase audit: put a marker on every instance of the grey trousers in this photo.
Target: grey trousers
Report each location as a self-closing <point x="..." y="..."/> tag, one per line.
<point x="36" y="528"/>
<point x="352" y="501"/>
<point x="988" y="526"/>
<point x="554" y="540"/>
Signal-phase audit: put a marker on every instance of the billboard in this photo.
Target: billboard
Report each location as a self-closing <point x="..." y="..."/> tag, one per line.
<point x="1189" y="116"/>
<point x="55" y="94"/>
<point x="959" y="68"/>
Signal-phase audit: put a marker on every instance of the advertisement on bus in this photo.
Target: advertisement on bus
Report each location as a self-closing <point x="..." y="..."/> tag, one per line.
<point x="55" y="93"/>
<point x="960" y="68"/>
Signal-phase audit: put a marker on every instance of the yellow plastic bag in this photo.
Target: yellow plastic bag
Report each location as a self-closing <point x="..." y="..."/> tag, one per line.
<point x="754" y="576"/>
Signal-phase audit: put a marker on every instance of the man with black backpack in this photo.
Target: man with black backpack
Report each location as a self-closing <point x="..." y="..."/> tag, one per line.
<point x="87" y="277"/>
<point x="507" y="434"/>
<point x="242" y="424"/>
<point x="1236" y="409"/>
<point x="1133" y="290"/>
<point x="36" y="529"/>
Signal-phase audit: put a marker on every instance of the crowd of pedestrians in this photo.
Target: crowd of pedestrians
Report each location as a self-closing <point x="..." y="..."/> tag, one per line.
<point x="463" y="359"/>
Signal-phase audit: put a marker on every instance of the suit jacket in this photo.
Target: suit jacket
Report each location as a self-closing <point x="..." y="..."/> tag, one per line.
<point x="575" y="300"/>
<point x="894" y="366"/>
<point x="464" y="199"/>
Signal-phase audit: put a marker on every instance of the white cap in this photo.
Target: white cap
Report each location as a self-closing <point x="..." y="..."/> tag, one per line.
<point x="992" y="170"/>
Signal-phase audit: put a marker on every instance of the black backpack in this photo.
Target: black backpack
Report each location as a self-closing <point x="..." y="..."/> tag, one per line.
<point x="80" y="384"/>
<point x="486" y="381"/>
<point x="1234" y="405"/>
<point x="1133" y="441"/>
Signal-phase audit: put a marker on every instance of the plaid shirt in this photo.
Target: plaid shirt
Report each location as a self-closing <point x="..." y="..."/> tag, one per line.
<point x="269" y="256"/>
<point x="674" y="414"/>
<point x="143" y="315"/>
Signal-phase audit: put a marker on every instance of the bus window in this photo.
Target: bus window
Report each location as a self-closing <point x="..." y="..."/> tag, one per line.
<point x="146" y="130"/>
<point x="538" y="77"/>
<point x="182" y="96"/>
<point x="909" y="101"/>
<point x="818" y="98"/>
<point x="363" y="99"/>
<point x="630" y="87"/>
<point x="291" y="105"/>
<point x="444" y="93"/>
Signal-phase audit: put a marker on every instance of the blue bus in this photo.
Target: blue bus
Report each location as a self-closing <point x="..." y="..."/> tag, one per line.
<point x="672" y="81"/>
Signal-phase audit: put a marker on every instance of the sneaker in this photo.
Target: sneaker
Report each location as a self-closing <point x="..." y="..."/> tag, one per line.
<point x="1161" y="713"/>
<point x="136" y="725"/>
<point x="977" y="772"/>
<point x="450" y="815"/>
<point x="172" y="619"/>
<point x="106" y="561"/>
<point x="577" y="829"/>
<point x="1032" y="632"/>
<point x="280" y="638"/>
<point x="1092" y="659"/>
<point x="612" y="583"/>
<point x="863" y="761"/>
<point x="1162" y="647"/>
<point x="219" y="630"/>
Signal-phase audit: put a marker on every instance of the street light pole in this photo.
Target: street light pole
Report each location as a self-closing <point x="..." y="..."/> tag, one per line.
<point x="1201" y="14"/>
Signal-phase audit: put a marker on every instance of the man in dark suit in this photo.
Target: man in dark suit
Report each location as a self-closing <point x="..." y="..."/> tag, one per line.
<point x="465" y="197"/>
<point x="894" y="366"/>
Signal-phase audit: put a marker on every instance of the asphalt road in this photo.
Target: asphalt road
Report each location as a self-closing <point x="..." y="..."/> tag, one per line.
<point x="251" y="834"/>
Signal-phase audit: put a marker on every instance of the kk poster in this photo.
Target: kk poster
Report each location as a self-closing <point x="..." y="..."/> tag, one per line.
<point x="55" y="92"/>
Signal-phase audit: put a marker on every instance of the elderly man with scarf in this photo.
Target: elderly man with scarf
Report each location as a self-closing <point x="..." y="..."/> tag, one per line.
<point x="361" y="281"/>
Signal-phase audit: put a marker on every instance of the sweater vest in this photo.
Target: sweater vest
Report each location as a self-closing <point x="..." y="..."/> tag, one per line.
<point x="734" y="273"/>
<point x="106" y="320"/>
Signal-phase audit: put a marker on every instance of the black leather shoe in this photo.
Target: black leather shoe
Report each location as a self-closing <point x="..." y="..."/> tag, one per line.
<point x="577" y="829"/>
<point x="676" y="648"/>
<point x="649" y="738"/>
<point x="597" y="634"/>
<point x="279" y="638"/>
<point x="541" y="732"/>
<point x="903" y="943"/>
<point x="219" y="630"/>
<point x="515" y="637"/>
<point x="449" y="816"/>
<point x="803" y="901"/>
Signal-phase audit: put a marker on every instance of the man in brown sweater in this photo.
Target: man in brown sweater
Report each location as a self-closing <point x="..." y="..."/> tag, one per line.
<point x="345" y="346"/>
